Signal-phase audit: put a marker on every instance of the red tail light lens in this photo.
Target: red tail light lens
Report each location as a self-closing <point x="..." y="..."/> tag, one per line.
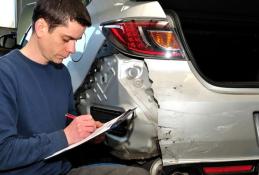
<point x="228" y="169"/>
<point x="144" y="38"/>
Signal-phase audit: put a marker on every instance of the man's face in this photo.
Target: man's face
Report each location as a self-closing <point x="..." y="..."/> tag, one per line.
<point x="59" y="43"/>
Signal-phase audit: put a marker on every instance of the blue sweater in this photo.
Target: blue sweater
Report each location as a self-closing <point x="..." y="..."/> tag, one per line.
<point x="34" y="99"/>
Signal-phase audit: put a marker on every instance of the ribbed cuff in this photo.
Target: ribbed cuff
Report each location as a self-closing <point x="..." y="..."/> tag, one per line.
<point x="58" y="140"/>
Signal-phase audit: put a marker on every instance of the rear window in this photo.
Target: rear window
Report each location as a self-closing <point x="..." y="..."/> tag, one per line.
<point x="223" y="37"/>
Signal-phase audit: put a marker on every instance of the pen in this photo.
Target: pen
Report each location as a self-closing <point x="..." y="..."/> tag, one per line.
<point x="71" y="116"/>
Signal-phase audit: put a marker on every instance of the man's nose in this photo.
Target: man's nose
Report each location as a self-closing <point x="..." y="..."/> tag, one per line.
<point x="71" y="46"/>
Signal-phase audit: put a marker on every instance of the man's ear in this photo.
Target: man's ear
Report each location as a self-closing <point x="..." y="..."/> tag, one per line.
<point x="41" y="27"/>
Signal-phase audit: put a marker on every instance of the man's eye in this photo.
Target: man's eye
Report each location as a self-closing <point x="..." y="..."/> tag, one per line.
<point x="65" y="40"/>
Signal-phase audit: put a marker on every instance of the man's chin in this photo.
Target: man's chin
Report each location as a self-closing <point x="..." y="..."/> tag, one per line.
<point x="58" y="61"/>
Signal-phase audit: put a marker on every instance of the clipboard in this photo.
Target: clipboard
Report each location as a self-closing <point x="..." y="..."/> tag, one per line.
<point x="106" y="126"/>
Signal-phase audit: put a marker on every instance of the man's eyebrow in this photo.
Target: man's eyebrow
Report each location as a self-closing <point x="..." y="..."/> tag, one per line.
<point x="72" y="38"/>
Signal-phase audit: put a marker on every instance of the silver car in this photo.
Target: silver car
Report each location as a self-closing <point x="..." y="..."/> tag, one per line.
<point x="190" y="67"/>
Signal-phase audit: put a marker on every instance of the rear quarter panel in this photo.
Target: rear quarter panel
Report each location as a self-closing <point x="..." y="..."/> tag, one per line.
<point x="196" y="124"/>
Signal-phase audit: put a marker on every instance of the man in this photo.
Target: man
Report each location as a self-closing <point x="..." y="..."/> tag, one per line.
<point x="36" y="93"/>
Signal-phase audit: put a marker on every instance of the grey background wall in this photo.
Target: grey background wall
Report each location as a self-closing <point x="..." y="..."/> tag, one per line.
<point x="20" y="5"/>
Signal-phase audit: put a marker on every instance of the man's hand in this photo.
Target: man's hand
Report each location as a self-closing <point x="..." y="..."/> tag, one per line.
<point x="101" y="137"/>
<point x="81" y="127"/>
<point x="98" y="124"/>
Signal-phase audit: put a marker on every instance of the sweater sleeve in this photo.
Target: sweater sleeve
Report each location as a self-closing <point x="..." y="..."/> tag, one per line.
<point x="15" y="150"/>
<point x="71" y="107"/>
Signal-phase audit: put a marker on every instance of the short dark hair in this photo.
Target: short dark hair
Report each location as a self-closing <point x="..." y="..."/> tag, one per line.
<point x="59" y="12"/>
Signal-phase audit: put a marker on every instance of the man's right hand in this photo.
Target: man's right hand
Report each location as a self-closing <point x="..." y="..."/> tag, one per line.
<point x="81" y="127"/>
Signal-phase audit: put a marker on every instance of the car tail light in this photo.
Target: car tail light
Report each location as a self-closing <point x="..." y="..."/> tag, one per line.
<point x="228" y="169"/>
<point x="144" y="38"/>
